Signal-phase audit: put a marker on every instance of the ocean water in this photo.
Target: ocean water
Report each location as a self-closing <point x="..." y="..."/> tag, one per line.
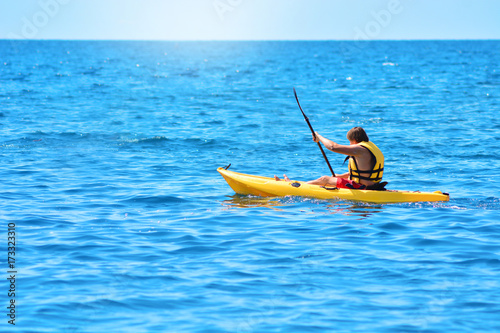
<point x="109" y="153"/>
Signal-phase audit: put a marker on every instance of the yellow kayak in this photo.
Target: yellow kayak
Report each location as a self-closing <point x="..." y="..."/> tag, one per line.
<point x="269" y="187"/>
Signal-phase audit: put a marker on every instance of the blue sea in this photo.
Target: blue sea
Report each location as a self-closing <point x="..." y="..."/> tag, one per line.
<point x="109" y="153"/>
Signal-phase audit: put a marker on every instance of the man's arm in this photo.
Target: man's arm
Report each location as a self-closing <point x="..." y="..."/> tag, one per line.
<point x="351" y="150"/>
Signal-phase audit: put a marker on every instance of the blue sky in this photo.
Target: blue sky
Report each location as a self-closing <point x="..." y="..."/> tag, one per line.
<point x="250" y="19"/>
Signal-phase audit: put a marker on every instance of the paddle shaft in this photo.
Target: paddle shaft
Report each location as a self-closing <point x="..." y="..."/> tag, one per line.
<point x="314" y="134"/>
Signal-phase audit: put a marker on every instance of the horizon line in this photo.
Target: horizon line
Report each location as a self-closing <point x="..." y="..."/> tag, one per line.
<point x="250" y="40"/>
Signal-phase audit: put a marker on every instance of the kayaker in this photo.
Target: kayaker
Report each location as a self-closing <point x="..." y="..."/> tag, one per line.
<point x="366" y="162"/>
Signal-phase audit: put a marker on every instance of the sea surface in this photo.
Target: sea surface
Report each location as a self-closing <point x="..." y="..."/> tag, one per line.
<point x="108" y="158"/>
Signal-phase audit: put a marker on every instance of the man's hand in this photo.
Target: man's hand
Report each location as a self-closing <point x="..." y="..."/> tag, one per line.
<point x="316" y="137"/>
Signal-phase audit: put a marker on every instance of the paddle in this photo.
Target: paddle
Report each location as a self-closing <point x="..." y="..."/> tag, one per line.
<point x="314" y="135"/>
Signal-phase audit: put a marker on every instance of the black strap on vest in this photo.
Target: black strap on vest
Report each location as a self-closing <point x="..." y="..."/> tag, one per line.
<point x="371" y="172"/>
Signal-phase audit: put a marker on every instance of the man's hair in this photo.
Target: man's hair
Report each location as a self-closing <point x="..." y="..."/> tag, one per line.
<point x="357" y="134"/>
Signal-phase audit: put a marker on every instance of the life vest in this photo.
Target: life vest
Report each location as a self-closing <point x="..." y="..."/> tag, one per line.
<point x="377" y="170"/>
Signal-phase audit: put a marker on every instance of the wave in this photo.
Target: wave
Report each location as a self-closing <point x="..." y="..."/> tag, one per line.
<point x="154" y="200"/>
<point x="154" y="139"/>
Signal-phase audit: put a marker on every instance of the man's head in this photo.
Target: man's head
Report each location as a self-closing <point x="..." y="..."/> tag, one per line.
<point x="357" y="135"/>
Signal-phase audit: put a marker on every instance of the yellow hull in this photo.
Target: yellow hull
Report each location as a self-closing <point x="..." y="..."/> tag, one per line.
<point x="268" y="187"/>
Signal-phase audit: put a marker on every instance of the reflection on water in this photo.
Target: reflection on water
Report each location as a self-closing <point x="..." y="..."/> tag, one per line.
<point x="347" y="208"/>
<point x="250" y="201"/>
<point x="362" y="210"/>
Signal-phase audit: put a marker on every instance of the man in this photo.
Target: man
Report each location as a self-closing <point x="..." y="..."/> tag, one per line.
<point x="366" y="162"/>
